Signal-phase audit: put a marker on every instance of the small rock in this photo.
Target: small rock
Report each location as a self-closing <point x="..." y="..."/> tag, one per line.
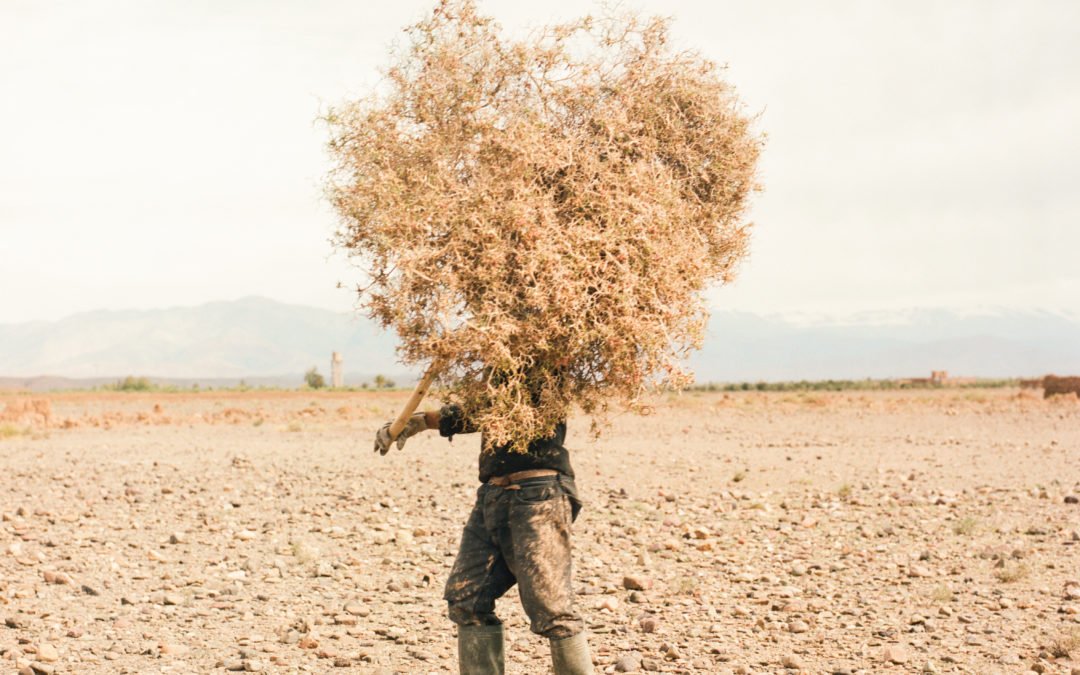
<point x="46" y="652"/>
<point x="177" y="538"/>
<point x="173" y="649"/>
<point x="896" y="654"/>
<point x="791" y="662"/>
<point x="628" y="663"/>
<point x="324" y="569"/>
<point x="246" y="535"/>
<point x="172" y="598"/>
<point x="647" y="624"/>
<point x="38" y="668"/>
<point x="798" y="626"/>
<point x="357" y="609"/>
<point x="636" y="582"/>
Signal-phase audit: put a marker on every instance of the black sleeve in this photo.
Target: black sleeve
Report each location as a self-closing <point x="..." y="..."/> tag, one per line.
<point x="452" y="421"/>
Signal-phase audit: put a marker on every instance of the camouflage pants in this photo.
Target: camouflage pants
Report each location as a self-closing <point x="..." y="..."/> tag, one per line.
<point x="518" y="536"/>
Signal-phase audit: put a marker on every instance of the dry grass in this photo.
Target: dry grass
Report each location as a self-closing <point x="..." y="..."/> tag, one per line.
<point x="966" y="525"/>
<point x="1066" y="645"/>
<point x="942" y="594"/>
<point x="541" y="217"/>
<point x="10" y="431"/>
<point x="1013" y="572"/>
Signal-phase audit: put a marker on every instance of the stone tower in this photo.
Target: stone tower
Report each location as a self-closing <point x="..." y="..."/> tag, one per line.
<point x="337" y="374"/>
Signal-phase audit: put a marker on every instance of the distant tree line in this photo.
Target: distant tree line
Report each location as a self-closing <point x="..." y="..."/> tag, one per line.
<point x="845" y="385"/>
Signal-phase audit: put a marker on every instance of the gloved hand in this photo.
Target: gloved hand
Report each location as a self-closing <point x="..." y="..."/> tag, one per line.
<point x="415" y="425"/>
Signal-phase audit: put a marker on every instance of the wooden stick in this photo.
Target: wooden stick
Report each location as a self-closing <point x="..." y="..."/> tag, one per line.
<point x="414" y="401"/>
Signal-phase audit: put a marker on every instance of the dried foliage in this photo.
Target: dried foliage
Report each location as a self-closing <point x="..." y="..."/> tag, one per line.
<point x="542" y="216"/>
<point x="1055" y="386"/>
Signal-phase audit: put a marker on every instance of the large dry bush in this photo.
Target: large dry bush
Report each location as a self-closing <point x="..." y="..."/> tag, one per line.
<point x="1054" y="385"/>
<point x="541" y="216"/>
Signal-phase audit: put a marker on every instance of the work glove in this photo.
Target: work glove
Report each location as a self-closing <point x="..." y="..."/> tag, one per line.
<point x="415" y="425"/>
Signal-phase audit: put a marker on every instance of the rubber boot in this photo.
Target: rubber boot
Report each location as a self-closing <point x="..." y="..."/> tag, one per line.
<point x="480" y="650"/>
<point x="570" y="656"/>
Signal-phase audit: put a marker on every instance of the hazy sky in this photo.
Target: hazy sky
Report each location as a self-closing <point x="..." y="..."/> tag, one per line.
<point x="166" y="153"/>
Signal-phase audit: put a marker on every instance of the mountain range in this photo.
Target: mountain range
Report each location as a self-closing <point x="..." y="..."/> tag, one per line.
<point x="267" y="342"/>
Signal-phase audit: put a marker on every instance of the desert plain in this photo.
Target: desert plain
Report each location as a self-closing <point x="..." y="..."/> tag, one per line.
<point x="932" y="531"/>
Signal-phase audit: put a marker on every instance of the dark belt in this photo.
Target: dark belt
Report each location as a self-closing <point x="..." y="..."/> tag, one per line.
<point x="508" y="481"/>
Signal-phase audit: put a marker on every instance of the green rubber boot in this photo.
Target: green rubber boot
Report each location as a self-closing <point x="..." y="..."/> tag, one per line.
<point x="480" y="650"/>
<point x="570" y="656"/>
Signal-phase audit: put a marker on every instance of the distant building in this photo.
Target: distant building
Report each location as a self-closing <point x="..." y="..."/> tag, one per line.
<point x="337" y="372"/>
<point x="938" y="378"/>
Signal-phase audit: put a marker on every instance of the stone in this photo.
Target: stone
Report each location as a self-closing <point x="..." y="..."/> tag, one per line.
<point x="791" y="662"/>
<point x="798" y="626"/>
<point x="177" y="538"/>
<point x="648" y="624"/>
<point x="636" y="582"/>
<point x="46" y="652"/>
<point x="172" y="598"/>
<point x="173" y="649"/>
<point x="896" y="654"/>
<point x="357" y="609"/>
<point x="628" y="663"/>
<point x="38" y="668"/>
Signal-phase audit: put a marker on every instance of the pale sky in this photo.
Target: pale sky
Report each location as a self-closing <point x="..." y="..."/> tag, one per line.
<point x="920" y="153"/>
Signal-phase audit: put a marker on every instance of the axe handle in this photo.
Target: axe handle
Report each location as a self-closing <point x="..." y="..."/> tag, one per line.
<point x="414" y="401"/>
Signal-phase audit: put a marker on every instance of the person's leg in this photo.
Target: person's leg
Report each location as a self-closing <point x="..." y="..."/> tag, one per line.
<point x="539" y="556"/>
<point x="479" y="577"/>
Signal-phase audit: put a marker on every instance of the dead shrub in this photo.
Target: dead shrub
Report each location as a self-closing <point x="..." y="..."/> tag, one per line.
<point x="541" y="216"/>
<point x="1055" y="386"/>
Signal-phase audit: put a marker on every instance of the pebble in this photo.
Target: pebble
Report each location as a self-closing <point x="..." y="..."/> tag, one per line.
<point x="173" y="649"/>
<point x="798" y="626"/>
<point x="46" y="652"/>
<point x="791" y="662"/>
<point x="628" y="663"/>
<point x="172" y="598"/>
<point x="357" y="609"/>
<point x="648" y="624"/>
<point x="896" y="654"/>
<point x="636" y="582"/>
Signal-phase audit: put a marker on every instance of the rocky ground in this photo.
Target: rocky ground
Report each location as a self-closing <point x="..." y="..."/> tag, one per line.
<point x="782" y="533"/>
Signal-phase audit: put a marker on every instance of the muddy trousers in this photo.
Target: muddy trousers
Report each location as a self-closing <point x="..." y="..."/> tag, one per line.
<point x="517" y="536"/>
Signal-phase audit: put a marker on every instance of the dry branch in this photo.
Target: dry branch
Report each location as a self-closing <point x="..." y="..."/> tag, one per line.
<point x="543" y="215"/>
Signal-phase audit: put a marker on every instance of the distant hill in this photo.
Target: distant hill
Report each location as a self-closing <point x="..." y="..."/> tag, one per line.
<point x="991" y="343"/>
<point x="256" y="339"/>
<point x="267" y="342"/>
